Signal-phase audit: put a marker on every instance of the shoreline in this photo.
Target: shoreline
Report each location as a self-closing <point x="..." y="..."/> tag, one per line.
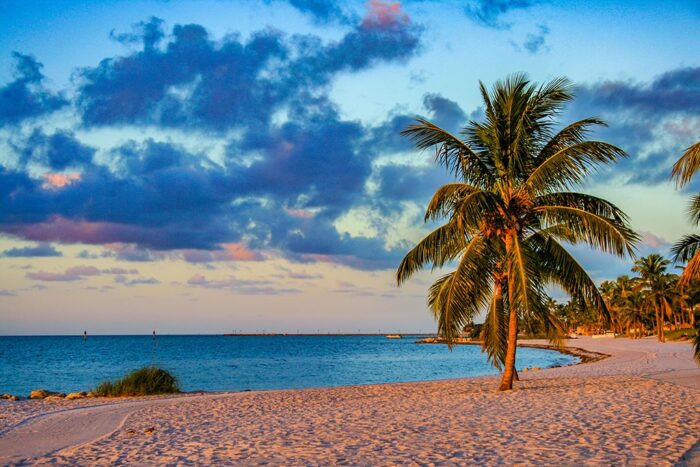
<point x="586" y="356"/>
<point x="596" y="413"/>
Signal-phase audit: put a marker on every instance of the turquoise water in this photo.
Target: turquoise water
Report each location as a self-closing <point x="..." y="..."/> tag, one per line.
<point x="229" y="363"/>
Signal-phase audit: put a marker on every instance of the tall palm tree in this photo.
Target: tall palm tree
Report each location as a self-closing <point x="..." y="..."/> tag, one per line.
<point x="507" y="212"/>
<point x="687" y="249"/>
<point x="652" y="270"/>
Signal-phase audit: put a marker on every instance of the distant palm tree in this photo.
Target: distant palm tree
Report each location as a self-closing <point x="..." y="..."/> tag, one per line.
<point x="652" y="271"/>
<point x="687" y="249"/>
<point x="507" y="212"/>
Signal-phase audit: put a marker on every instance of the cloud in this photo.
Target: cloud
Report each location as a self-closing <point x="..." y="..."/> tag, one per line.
<point x="82" y="271"/>
<point x="76" y="273"/>
<point x="7" y="293"/>
<point x="241" y="286"/>
<point x="303" y="275"/>
<point x="186" y="79"/>
<point x="282" y="183"/>
<point x="84" y="254"/>
<point x="489" y="13"/>
<point x="58" y="151"/>
<point x="40" y="250"/>
<point x="56" y="181"/>
<point x="26" y="97"/>
<point x="322" y="11"/>
<point x="535" y="42"/>
<point x="53" y="276"/>
<point x="120" y="279"/>
<point x="654" y="122"/>
<point x="120" y="271"/>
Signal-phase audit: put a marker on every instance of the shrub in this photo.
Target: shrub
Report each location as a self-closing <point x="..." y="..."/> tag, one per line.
<point x="141" y="382"/>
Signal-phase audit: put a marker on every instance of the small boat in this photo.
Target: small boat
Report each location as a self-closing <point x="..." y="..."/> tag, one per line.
<point x="393" y="336"/>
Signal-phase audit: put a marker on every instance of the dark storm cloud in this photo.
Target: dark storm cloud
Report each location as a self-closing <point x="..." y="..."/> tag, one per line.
<point x="40" y="250"/>
<point x="186" y="79"/>
<point x="26" y="96"/>
<point x="654" y="122"/>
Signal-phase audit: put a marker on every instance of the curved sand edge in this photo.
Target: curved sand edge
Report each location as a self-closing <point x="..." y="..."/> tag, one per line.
<point x="390" y="422"/>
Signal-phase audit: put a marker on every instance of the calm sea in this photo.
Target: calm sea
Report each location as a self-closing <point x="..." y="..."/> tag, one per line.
<point x="226" y="363"/>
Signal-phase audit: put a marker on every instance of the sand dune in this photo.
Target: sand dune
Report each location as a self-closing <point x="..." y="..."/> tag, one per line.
<point x="641" y="406"/>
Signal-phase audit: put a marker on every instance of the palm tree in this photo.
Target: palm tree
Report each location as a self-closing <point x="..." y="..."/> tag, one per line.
<point x="508" y="210"/>
<point x="655" y="282"/>
<point x="687" y="249"/>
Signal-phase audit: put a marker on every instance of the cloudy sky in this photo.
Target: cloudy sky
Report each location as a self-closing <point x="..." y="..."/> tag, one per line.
<point x="208" y="166"/>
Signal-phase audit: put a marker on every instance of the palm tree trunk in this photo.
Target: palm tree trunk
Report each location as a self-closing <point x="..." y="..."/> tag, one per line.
<point x="659" y="324"/>
<point x="509" y="367"/>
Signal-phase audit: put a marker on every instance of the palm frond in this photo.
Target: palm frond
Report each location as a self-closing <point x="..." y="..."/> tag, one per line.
<point x="569" y="165"/>
<point x="559" y="267"/>
<point x="439" y="246"/>
<point x="604" y="233"/>
<point x="494" y="333"/>
<point x="458" y="297"/>
<point x="590" y="203"/>
<point x="687" y="165"/>
<point x="471" y="202"/>
<point x="686" y="248"/>
<point x="694" y="209"/>
<point x="451" y="152"/>
<point x="691" y="273"/>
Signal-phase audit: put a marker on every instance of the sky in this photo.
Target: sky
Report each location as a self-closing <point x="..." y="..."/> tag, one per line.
<point x="216" y="166"/>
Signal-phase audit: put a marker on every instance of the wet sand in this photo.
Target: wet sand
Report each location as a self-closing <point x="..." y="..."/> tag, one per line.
<point x="640" y="406"/>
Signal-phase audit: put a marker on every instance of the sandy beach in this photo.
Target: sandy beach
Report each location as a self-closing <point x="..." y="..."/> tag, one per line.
<point x="640" y="406"/>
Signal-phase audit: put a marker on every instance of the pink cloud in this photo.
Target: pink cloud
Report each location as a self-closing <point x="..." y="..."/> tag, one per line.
<point x="384" y="15"/>
<point x="60" y="229"/>
<point x="120" y="271"/>
<point x="52" y="276"/>
<point x="240" y="252"/>
<point x="654" y="241"/>
<point x="229" y="252"/>
<point x="55" y="181"/>
<point x="300" y="213"/>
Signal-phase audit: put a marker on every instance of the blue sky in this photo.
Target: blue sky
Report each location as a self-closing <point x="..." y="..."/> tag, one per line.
<point x="210" y="165"/>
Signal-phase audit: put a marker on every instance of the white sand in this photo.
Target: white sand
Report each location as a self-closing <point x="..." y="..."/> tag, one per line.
<point x="641" y="406"/>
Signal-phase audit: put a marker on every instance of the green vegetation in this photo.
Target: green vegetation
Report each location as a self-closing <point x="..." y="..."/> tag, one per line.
<point x="654" y="302"/>
<point x="681" y="334"/>
<point x="511" y="207"/>
<point x="142" y="382"/>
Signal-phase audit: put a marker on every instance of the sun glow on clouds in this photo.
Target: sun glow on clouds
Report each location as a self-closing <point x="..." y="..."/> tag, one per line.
<point x="55" y="181"/>
<point x="384" y="15"/>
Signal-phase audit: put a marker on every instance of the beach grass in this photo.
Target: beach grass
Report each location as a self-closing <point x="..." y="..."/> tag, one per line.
<point x="681" y="334"/>
<point x="141" y="382"/>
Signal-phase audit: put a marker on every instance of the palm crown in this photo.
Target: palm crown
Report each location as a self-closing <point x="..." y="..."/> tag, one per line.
<point x="687" y="249"/>
<point x="508" y="212"/>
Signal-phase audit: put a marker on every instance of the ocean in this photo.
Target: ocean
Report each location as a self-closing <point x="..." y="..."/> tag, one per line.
<point x="233" y="363"/>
